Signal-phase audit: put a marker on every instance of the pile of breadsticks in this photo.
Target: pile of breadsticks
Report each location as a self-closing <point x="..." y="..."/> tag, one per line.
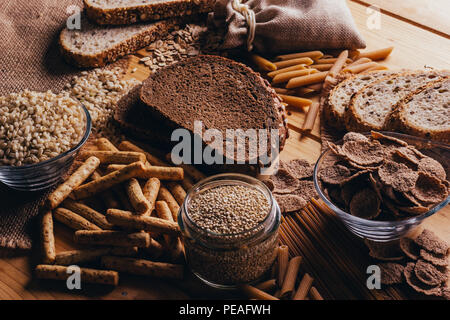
<point x="140" y="198"/>
<point x="296" y="77"/>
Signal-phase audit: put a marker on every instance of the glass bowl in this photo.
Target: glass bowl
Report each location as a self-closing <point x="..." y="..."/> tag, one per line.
<point x="43" y="175"/>
<point x="383" y="231"/>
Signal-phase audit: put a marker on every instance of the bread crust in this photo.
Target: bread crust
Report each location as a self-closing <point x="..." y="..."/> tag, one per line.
<point x="147" y="12"/>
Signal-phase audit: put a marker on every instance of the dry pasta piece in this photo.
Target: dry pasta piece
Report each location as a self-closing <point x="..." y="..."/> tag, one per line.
<point x="295" y="101"/>
<point x="309" y="54"/>
<point x="303" y="288"/>
<point x="287" y="69"/>
<point x="360" y="67"/>
<point x="283" y="261"/>
<point x="306" y="80"/>
<point x="254" y="293"/>
<point x="263" y="63"/>
<point x="286" y="76"/>
<point x="314" y="294"/>
<point x="293" y="62"/>
<point x="267" y="286"/>
<point x="290" y="276"/>
<point x="375" y="55"/>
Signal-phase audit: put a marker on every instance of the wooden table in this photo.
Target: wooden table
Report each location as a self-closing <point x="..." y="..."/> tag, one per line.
<point x="419" y="31"/>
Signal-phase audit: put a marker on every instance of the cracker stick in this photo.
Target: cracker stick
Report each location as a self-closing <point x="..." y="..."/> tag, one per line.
<point x="186" y="183"/>
<point x="309" y="54"/>
<point x="332" y="60"/>
<point x="107" y="196"/>
<point x="292" y="62"/>
<point x="176" y="250"/>
<point x="150" y="191"/>
<point x="127" y="219"/>
<point x="109" y="180"/>
<point x="360" y="67"/>
<point x="144" y="267"/>
<point x="314" y="294"/>
<point x="338" y="64"/>
<point x="113" y="167"/>
<point x="267" y="286"/>
<point x="112" y="238"/>
<point x="68" y="258"/>
<point x="154" y="161"/>
<point x="287" y="69"/>
<point x="44" y="271"/>
<point x="255" y="293"/>
<point x="104" y="144"/>
<point x="162" y="173"/>
<point x="263" y="64"/>
<point x="311" y="116"/>
<point x="290" y="276"/>
<point x="125" y="251"/>
<point x="375" y="55"/>
<point x="121" y="195"/>
<point x="137" y="199"/>
<point x="47" y="237"/>
<point x="165" y="195"/>
<point x="163" y="211"/>
<point x="284" y="77"/>
<point x="155" y="249"/>
<point x="303" y="287"/>
<point x="88" y="213"/>
<point x="177" y="192"/>
<point x="295" y="101"/>
<point x="283" y="261"/>
<point x="77" y="178"/>
<point x="359" y="61"/>
<point x="190" y="170"/>
<point x="118" y="157"/>
<point x="73" y="220"/>
<point x="175" y="246"/>
<point x="306" y="80"/>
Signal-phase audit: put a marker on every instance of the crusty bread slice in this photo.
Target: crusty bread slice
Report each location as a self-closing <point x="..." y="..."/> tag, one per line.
<point x="340" y="96"/>
<point x="115" y="12"/>
<point x="371" y="106"/>
<point x="425" y="113"/>
<point x="96" y="46"/>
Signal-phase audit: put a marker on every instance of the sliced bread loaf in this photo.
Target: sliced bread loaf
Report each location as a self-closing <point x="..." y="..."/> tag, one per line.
<point x="371" y="106"/>
<point x="116" y="12"/>
<point x="340" y="96"/>
<point x="220" y="93"/>
<point x="95" y="46"/>
<point x="425" y="113"/>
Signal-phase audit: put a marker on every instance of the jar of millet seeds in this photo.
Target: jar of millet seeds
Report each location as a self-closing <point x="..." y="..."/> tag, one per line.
<point x="230" y="230"/>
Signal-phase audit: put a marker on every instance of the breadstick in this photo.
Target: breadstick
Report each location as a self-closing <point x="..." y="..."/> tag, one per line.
<point x="376" y="55"/>
<point x="283" y="261"/>
<point x="112" y="238"/>
<point x="267" y="286"/>
<point x="305" y="80"/>
<point x="77" y="178"/>
<point x="263" y="64"/>
<point x="107" y="196"/>
<point x="287" y="69"/>
<point x="125" y="204"/>
<point x="303" y="287"/>
<point x="255" y="293"/>
<point x="136" y="197"/>
<point x="360" y="67"/>
<point x="88" y="213"/>
<point x="177" y="192"/>
<point x="332" y="60"/>
<point x="155" y="249"/>
<point x="290" y="276"/>
<point x="283" y="77"/>
<point x="165" y="195"/>
<point x="104" y="144"/>
<point x="190" y="170"/>
<point x="176" y="250"/>
<point x="311" y="116"/>
<point x="144" y="267"/>
<point x="162" y="173"/>
<point x="68" y="258"/>
<point x="163" y="211"/>
<point x="322" y="67"/>
<point x="47" y="237"/>
<point x="310" y="54"/>
<point x="375" y="68"/>
<point x="338" y="64"/>
<point x="125" y="251"/>
<point x="73" y="220"/>
<point x="127" y="219"/>
<point x="150" y="191"/>
<point x="118" y="157"/>
<point x="314" y="294"/>
<point x="359" y="61"/>
<point x="186" y="183"/>
<point x="45" y="271"/>
<point x="292" y="62"/>
<point x="109" y="180"/>
<point x="295" y="101"/>
<point x="154" y="161"/>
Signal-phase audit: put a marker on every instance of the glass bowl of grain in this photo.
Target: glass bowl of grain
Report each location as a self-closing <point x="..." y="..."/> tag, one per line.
<point x="230" y="228"/>
<point x="383" y="201"/>
<point x="40" y="135"/>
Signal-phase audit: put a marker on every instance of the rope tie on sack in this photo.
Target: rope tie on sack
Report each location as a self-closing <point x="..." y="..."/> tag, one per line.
<point x="249" y="16"/>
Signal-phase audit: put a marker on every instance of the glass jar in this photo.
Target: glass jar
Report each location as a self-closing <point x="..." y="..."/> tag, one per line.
<point x="227" y="260"/>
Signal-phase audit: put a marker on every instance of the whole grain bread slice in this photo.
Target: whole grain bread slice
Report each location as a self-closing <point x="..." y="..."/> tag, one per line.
<point x="425" y="113"/>
<point x="116" y="12"/>
<point x="96" y="46"/>
<point x="370" y="107"/>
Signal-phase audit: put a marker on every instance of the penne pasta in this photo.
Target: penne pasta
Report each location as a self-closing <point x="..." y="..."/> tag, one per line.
<point x="306" y="80"/>
<point x="286" y="76"/>
<point x="295" y="101"/>
<point x="375" y="55"/>
<point x="263" y="63"/>
<point x="309" y="54"/>
<point x="293" y="62"/>
<point x="283" y="261"/>
<point x="291" y="68"/>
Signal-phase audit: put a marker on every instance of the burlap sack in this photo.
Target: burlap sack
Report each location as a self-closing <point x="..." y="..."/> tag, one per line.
<point x="289" y="25"/>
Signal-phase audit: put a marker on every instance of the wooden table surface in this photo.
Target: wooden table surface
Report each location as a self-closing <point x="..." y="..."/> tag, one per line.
<point x="420" y="33"/>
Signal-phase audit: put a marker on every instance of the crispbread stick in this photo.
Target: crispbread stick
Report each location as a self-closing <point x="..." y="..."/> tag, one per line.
<point x="165" y="195"/>
<point x="322" y="67"/>
<point x="125" y="251"/>
<point x="190" y="170"/>
<point x="338" y="64"/>
<point x="287" y="69"/>
<point x="283" y="261"/>
<point x="44" y="271"/>
<point x="176" y="250"/>
<point x="290" y="276"/>
<point x="310" y="54"/>
<point x="47" y="237"/>
<point x="175" y="245"/>
<point x="375" y="55"/>
<point x="88" y="213"/>
<point x="378" y="67"/>
<point x="283" y="77"/>
<point x="360" y="67"/>
<point x="163" y="211"/>
<point x="186" y="183"/>
<point x="314" y="294"/>
<point x="155" y="249"/>
<point x="154" y="161"/>
<point x="262" y="63"/>
<point x="73" y="220"/>
<point x="77" y="178"/>
<point x="109" y="180"/>
<point x="177" y="192"/>
<point x="267" y="286"/>
<point x="144" y="267"/>
<point x="119" y="157"/>
<point x="255" y="293"/>
<point x="306" y="80"/>
<point x="137" y="199"/>
<point x="150" y="191"/>
<point x="292" y="62"/>
<point x="127" y="219"/>
<point x="311" y="116"/>
<point x="332" y="60"/>
<point x="359" y="61"/>
<point x="303" y="287"/>
<point x="68" y="258"/>
<point x="295" y="101"/>
<point x="107" y="196"/>
<point x="162" y="173"/>
<point x="112" y="238"/>
<point x="119" y="191"/>
<point x="113" y="167"/>
<point x="105" y="145"/>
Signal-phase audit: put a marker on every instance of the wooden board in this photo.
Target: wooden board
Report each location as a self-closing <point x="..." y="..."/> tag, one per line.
<point x="415" y="47"/>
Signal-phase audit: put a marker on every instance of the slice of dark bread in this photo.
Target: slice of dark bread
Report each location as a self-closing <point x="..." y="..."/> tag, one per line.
<point x="221" y="93"/>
